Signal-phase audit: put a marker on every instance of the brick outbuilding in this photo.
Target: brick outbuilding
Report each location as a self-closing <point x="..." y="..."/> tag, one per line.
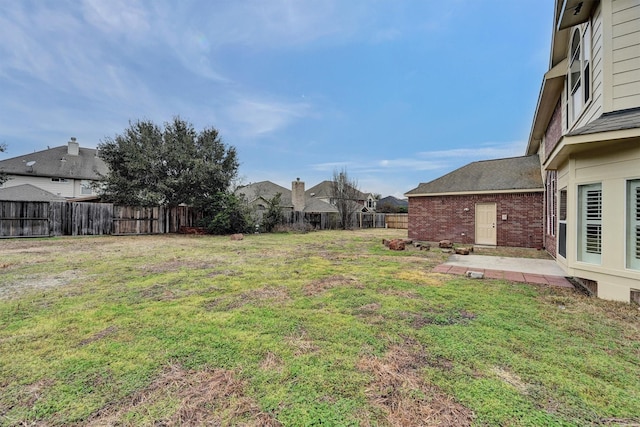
<point x="493" y="202"/>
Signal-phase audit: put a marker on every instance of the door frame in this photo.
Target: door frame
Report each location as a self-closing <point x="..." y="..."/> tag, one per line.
<point x="493" y="239"/>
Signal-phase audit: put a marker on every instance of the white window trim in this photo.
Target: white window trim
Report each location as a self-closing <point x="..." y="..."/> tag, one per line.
<point x="585" y="34"/>
<point x="632" y="214"/>
<point x="583" y="254"/>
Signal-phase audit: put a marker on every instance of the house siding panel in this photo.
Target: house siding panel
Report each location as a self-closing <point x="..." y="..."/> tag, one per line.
<point x="626" y="54"/>
<point x="64" y="189"/>
<point x="594" y="108"/>
<point x="444" y="217"/>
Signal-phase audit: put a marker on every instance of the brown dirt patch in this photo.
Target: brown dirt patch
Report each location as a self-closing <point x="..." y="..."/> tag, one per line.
<point x="209" y="397"/>
<point x="98" y="336"/>
<point x="404" y="396"/>
<point x="320" y="286"/>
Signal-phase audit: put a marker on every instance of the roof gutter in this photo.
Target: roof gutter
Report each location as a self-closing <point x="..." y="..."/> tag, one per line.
<point x="470" y="193"/>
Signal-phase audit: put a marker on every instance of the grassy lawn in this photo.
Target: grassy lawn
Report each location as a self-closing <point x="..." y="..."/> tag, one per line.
<point x="325" y="328"/>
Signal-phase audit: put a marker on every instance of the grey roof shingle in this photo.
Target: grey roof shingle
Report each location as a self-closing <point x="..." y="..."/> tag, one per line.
<point x="325" y="190"/>
<point x="317" y="205"/>
<point x="50" y="163"/>
<point x="615" y="120"/>
<point x="265" y="190"/>
<point x="515" y="173"/>
<point x="27" y="193"/>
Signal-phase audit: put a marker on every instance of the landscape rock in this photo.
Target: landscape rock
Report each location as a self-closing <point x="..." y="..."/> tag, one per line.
<point x="475" y="274"/>
<point x="397" y="245"/>
<point x="422" y="246"/>
<point x="462" y="251"/>
<point x="445" y="244"/>
<point x="238" y="236"/>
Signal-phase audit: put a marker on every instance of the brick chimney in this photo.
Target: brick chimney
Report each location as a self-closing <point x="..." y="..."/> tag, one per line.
<point x="74" y="148"/>
<point x="297" y="195"/>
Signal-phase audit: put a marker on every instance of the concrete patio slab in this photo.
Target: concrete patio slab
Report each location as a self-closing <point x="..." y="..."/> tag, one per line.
<point x="524" y="270"/>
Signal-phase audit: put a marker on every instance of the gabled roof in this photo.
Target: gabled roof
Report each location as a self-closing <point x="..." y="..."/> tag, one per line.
<point x="515" y="174"/>
<point x="57" y="163"/>
<point x="608" y="122"/>
<point x="265" y="190"/>
<point x="318" y="206"/>
<point x="325" y="190"/>
<point x="27" y="193"/>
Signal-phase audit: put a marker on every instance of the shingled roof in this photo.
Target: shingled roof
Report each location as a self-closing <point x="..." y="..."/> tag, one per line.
<point x="325" y="190"/>
<point x="266" y="190"/>
<point x="511" y="174"/>
<point x="608" y="122"/>
<point x="56" y="162"/>
<point x="27" y="193"/>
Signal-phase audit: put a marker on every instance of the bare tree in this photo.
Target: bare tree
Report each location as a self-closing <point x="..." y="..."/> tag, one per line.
<point x="345" y="196"/>
<point x="3" y="177"/>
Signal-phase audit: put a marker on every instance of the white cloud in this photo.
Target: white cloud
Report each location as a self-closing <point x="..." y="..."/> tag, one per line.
<point x="255" y="117"/>
<point x="482" y="152"/>
<point x="116" y="16"/>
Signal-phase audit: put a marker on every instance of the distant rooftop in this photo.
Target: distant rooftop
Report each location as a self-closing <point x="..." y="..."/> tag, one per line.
<point x="57" y="162"/>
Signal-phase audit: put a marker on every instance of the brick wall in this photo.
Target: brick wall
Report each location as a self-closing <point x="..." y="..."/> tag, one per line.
<point x="554" y="131"/>
<point x="444" y="217"/>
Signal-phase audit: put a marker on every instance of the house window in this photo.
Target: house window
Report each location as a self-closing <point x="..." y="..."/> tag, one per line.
<point x="590" y="215"/>
<point x="579" y="75"/>
<point x="562" y="223"/>
<point x="633" y="224"/>
<point x="85" y="188"/>
<point x="550" y="201"/>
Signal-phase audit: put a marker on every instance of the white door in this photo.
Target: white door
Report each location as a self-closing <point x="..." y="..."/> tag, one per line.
<point x="486" y="224"/>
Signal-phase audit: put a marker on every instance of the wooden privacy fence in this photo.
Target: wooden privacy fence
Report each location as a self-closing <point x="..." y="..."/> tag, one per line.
<point x="39" y="219"/>
<point x="24" y="219"/>
<point x="397" y="221"/>
<point x="153" y="220"/>
<point x="331" y="220"/>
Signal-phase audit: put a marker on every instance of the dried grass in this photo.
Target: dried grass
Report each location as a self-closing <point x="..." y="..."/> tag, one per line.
<point x="208" y="397"/>
<point x="320" y="286"/>
<point x="301" y="343"/>
<point x="404" y="396"/>
<point x="269" y="295"/>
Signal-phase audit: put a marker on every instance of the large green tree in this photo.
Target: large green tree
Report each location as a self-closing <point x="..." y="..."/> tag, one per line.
<point x="149" y="165"/>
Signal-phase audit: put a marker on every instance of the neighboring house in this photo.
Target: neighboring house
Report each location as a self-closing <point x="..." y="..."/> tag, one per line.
<point x="493" y="202"/>
<point x="28" y="193"/>
<point x="259" y="194"/>
<point x="586" y="130"/>
<point x="67" y="171"/>
<point x="324" y="191"/>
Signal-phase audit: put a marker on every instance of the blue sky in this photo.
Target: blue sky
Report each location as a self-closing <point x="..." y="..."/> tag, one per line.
<point x="398" y="92"/>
